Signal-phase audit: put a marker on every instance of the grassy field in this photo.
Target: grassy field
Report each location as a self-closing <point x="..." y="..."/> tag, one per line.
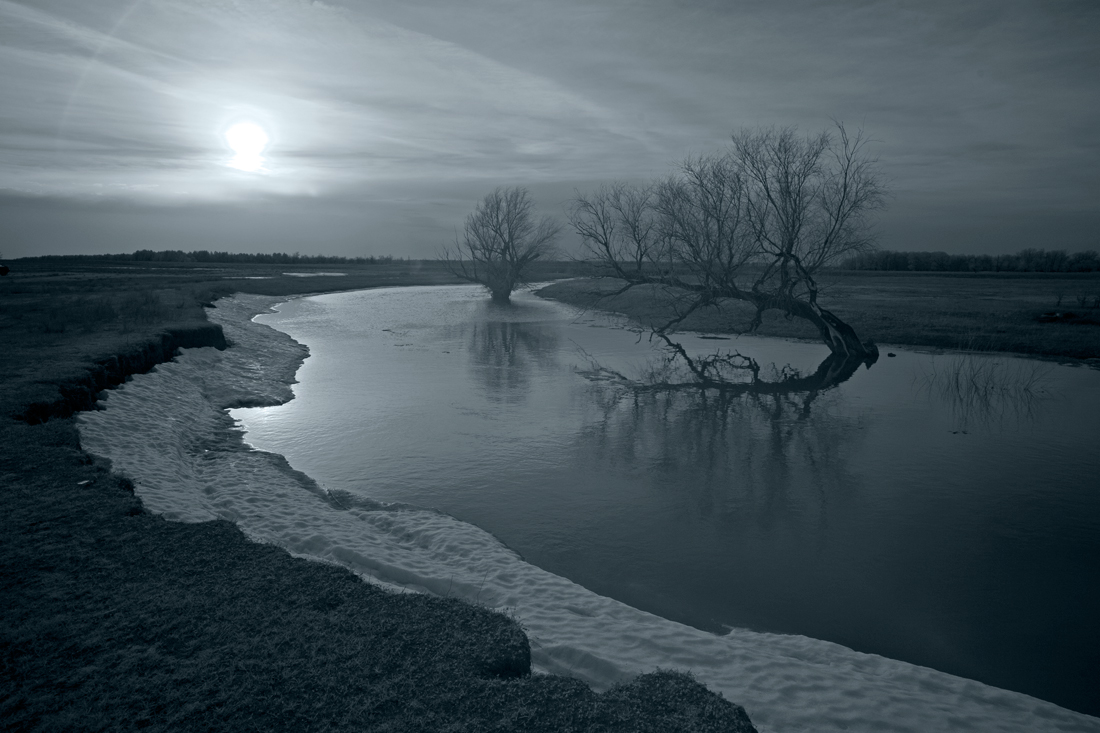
<point x="114" y="619"/>
<point x="1050" y="315"/>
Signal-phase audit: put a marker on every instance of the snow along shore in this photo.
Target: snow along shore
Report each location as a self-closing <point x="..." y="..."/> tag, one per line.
<point x="169" y="431"/>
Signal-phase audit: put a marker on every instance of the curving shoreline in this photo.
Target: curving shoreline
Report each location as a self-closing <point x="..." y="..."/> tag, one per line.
<point x="117" y="619"/>
<point x="56" y="443"/>
<point x="788" y="682"/>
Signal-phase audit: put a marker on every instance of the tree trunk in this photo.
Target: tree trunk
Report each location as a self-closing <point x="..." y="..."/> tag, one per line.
<point x="841" y="338"/>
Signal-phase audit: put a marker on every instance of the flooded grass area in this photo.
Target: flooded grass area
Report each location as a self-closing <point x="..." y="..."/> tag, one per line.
<point x="984" y="312"/>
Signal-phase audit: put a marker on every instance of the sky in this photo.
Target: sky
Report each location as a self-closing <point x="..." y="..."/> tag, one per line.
<point x="386" y="121"/>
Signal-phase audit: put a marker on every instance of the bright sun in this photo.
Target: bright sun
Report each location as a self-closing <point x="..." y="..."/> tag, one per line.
<point x="248" y="141"/>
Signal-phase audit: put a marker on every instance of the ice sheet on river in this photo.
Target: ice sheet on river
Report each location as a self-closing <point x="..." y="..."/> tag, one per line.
<point x="168" y="430"/>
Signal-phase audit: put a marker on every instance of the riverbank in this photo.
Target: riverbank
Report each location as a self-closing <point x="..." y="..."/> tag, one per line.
<point x="828" y="687"/>
<point x="786" y="682"/>
<point x="117" y="619"/>
<point x="1037" y="314"/>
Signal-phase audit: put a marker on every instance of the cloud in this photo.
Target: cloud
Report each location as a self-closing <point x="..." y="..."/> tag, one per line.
<point x="347" y="97"/>
<point x="990" y="102"/>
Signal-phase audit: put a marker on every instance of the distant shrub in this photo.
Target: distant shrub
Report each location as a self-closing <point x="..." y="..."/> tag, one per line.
<point x="1028" y="260"/>
<point x="205" y="256"/>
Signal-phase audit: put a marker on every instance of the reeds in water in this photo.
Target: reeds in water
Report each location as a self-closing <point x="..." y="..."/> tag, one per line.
<point x="984" y="388"/>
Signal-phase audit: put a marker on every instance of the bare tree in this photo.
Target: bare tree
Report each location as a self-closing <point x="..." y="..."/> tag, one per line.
<point x="754" y="224"/>
<point x="618" y="226"/>
<point x="500" y="239"/>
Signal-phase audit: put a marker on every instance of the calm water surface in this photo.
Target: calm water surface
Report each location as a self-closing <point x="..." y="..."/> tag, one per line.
<point x="940" y="509"/>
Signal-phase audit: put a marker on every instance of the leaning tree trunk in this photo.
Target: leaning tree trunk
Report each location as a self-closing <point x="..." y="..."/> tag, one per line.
<point x="847" y="352"/>
<point x="843" y="342"/>
<point x="841" y="338"/>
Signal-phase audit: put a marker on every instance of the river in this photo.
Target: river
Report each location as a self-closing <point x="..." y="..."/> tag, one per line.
<point x="940" y="509"/>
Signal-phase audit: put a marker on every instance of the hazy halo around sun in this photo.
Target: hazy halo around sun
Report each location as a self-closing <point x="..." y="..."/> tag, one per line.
<point x="247" y="140"/>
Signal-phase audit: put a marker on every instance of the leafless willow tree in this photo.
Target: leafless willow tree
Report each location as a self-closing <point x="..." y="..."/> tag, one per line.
<point x="499" y="241"/>
<point x="754" y="223"/>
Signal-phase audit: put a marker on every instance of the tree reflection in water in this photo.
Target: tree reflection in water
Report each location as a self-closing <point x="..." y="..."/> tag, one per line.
<point x="728" y="374"/>
<point x="507" y="352"/>
<point x="767" y="448"/>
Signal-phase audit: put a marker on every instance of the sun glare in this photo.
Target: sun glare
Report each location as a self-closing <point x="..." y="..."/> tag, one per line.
<point x="248" y="140"/>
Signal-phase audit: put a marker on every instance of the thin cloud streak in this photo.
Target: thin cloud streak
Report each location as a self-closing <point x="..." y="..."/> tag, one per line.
<point x="409" y="103"/>
<point x="992" y="104"/>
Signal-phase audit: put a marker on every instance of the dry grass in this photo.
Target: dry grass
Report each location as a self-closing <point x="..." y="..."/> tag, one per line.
<point x="918" y="309"/>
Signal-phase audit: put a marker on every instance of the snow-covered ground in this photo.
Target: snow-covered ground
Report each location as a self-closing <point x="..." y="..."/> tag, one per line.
<point x="169" y="431"/>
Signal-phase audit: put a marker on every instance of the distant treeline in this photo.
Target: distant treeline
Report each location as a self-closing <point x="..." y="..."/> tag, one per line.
<point x="1028" y="260"/>
<point x="202" y="255"/>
